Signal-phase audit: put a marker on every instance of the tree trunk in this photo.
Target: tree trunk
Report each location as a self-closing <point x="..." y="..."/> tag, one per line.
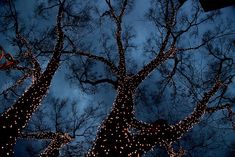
<point x="114" y="138"/>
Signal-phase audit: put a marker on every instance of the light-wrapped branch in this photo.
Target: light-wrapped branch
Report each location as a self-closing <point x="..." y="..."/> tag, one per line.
<point x="118" y="36"/>
<point x="36" y="66"/>
<point x="17" y="116"/>
<point x="58" y="140"/>
<point x="172" y="153"/>
<point x="147" y="69"/>
<point x="163" y="134"/>
<point x="184" y="125"/>
<point x="38" y="135"/>
<point x="23" y="41"/>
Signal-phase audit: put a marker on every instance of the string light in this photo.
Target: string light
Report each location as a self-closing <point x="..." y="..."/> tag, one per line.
<point x="117" y="135"/>
<point x="116" y="138"/>
<point x="17" y="116"/>
<point x="58" y="140"/>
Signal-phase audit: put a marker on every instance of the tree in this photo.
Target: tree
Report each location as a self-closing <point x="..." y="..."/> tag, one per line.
<point x="116" y="136"/>
<point x="63" y="116"/>
<point x="15" y="119"/>
<point x="167" y="56"/>
<point x="17" y="116"/>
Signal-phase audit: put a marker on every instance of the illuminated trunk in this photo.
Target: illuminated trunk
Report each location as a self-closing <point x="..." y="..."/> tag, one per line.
<point x="114" y="138"/>
<point x="122" y="135"/>
<point x="17" y="116"/>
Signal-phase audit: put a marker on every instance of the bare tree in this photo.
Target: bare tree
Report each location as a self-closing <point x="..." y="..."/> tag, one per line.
<point x="17" y="116"/>
<point x="104" y="57"/>
<point x="121" y="133"/>
<point x="64" y="117"/>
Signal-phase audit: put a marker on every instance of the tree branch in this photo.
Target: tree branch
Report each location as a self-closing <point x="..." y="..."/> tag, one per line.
<point x="184" y="125"/>
<point x="217" y="108"/>
<point x="38" y="135"/>
<point x="205" y="41"/>
<point x="36" y="66"/>
<point x="112" y="67"/>
<point x="118" y="35"/>
<point x="16" y="84"/>
<point x="17" y="116"/>
<point x="57" y="141"/>
<point x="100" y="81"/>
<point x="147" y="69"/>
<point x="160" y="133"/>
<point x="172" y="153"/>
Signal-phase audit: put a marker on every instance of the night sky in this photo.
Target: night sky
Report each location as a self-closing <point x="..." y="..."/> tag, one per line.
<point x="213" y="136"/>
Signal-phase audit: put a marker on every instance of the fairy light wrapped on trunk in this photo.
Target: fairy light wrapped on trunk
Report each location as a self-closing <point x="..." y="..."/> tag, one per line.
<point x="17" y="116"/>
